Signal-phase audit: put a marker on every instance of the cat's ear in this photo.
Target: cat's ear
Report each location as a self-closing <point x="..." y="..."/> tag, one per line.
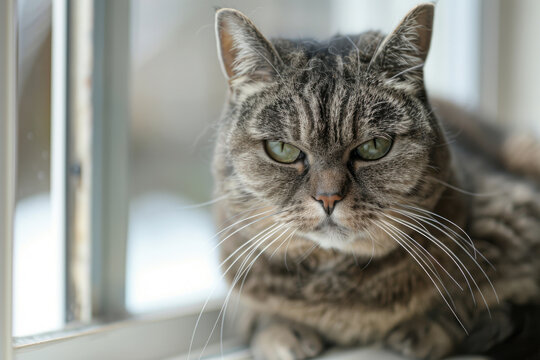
<point x="244" y="52"/>
<point x="402" y="54"/>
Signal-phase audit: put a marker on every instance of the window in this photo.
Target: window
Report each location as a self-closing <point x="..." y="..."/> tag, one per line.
<point x="107" y="113"/>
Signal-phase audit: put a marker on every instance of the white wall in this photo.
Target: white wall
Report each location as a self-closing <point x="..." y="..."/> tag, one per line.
<point x="519" y="62"/>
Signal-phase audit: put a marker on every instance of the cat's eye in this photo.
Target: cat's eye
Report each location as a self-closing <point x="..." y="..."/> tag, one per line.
<point x="374" y="149"/>
<point x="282" y="152"/>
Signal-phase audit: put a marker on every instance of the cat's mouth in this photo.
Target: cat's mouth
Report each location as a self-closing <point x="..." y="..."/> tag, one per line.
<point x="329" y="224"/>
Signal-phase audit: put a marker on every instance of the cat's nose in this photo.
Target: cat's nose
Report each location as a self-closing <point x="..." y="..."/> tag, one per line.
<point x="328" y="201"/>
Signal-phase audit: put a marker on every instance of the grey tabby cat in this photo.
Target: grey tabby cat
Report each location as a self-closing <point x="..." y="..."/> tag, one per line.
<point x="351" y="218"/>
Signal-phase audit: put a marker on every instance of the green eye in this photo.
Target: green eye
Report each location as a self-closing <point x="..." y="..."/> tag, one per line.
<point x="281" y="152"/>
<point x="374" y="149"/>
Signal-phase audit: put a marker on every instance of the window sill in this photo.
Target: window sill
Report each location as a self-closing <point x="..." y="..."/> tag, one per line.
<point x="156" y="336"/>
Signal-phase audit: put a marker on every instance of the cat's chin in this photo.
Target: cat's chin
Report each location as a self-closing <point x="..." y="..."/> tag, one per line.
<point x="335" y="237"/>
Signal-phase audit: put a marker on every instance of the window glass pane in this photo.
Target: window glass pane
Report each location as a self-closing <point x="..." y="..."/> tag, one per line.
<point x="177" y="92"/>
<point x="38" y="258"/>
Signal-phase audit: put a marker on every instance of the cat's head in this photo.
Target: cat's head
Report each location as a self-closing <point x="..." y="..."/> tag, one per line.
<point x="332" y="136"/>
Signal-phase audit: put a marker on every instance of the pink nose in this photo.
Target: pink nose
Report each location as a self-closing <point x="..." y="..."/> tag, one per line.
<point x="328" y="201"/>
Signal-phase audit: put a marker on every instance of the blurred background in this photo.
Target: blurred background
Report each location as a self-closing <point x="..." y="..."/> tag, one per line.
<point x="484" y="57"/>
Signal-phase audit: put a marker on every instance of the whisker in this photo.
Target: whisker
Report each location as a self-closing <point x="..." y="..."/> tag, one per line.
<point x="265" y="231"/>
<point x="436" y="224"/>
<point x="209" y="202"/>
<point x="180" y="208"/>
<point x="430" y="213"/>
<point x="424" y="258"/>
<point x="427" y="253"/>
<point x="240" y="221"/>
<point x="412" y="68"/>
<point x="253" y="246"/>
<point x="286" y="249"/>
<point x="206" y="203"/>
<point x="453" y="256"/>
<point x="470" y="242"/>
<point x="245" y="276"/>
<point x="412" y="217"/>
<point x="355" y="259"/>
<point x="246" y="243"/>
<point x="237" y="277"/>
<point x="372" y="249"/>
<point x="455" y="259"/>
<point x="463" y="191"/>
<point x="244" y="226"/>
<point x="254" y="208"/>
<point x="287" y="238"/>
<point x="307" y="253"/>
<point x="445" y="250"/>
<point x="430" y="277"/>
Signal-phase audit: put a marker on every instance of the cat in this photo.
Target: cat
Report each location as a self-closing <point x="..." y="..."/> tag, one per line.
<point x="352" y="218"/>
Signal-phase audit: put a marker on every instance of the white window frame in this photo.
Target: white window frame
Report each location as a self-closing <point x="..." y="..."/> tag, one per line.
<point x="156" y="336"/>
<point x="8" y="134"/>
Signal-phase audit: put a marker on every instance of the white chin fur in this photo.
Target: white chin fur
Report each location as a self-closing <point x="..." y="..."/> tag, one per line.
<point x="333" y="239"/>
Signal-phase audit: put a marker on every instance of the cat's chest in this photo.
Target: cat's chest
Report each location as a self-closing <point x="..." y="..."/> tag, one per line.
<point x="353" y="284"/>
<point x="348" y="301"/>
<point x="338" y="282"/>
<point x="347" y="304"/>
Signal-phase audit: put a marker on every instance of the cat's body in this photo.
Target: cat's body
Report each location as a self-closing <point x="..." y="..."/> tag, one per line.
<point x="357" y="272"/>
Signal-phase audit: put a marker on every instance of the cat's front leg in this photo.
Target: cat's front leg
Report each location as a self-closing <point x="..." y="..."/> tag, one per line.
<point x="277" y="339"/>
<point x="422" y="338"/>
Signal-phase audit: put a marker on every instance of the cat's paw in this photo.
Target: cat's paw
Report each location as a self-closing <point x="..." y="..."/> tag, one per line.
<point x="280" y="341"/>
<point x="420" y="339"/>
